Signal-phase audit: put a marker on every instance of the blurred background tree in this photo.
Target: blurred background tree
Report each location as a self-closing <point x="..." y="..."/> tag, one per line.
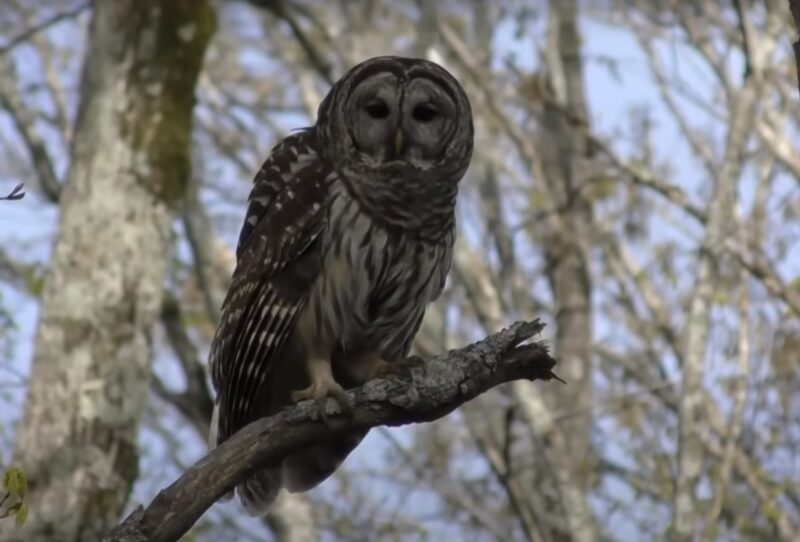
<point x="635" y="183"/>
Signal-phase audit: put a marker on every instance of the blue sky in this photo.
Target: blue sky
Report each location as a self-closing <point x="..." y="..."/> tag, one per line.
<point x="28" y="226"/>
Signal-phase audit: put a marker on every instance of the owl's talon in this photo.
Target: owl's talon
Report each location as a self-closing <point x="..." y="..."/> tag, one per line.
<point x="341" y="397"/>
<point x="399" y="368"/>
<point x="320" y="392"/>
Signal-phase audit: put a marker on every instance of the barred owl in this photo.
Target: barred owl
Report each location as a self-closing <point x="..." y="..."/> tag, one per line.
<point x="348" y="236"/>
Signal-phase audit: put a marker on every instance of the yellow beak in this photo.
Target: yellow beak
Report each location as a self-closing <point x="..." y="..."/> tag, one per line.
<point x="398" y="142"/>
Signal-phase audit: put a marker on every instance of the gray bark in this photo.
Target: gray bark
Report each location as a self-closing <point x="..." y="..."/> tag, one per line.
<point x="424" y="393"/>
<point x="77" y="440"/>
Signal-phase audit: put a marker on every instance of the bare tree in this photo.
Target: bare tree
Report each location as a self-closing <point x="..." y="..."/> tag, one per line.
<point x="634" y="183"/>
<point x="129" y="168"/>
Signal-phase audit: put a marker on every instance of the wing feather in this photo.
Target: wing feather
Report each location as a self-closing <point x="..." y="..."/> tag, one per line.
<point x="278" y="258"/>
<point x="284" y="161"/>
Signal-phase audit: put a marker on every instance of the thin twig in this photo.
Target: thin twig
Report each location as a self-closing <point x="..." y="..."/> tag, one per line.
<point x="42" y="26"/>
<point x="16" y="193"/>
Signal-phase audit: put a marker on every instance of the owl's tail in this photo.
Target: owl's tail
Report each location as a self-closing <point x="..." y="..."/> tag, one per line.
<point x="299" y="472"/>
<point x="260" y="490"/>
<point x="310" y="467"/>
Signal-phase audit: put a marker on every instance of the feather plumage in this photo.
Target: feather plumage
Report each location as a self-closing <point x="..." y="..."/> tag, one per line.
<point x="348" y="237"/>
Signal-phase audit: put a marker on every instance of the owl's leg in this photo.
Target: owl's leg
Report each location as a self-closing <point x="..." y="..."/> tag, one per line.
<point x="322" y="387"/>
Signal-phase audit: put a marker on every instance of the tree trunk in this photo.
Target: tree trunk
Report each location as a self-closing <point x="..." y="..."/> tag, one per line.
<point x="562" y="147"/>
<point x="291" y="519"/>
<point x="77" y="440"/>
<point x="720" y="221"/>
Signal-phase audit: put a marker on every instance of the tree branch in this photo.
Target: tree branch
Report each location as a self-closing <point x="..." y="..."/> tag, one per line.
<point x="421" y="395"/>
<point x="15" y="194"/>
<point x="794" y="5"/>
<point x="54" y="19"/>
<point x="195" y="402"/>
<point x="25" y="121"/>
<point x="315" y="57"/>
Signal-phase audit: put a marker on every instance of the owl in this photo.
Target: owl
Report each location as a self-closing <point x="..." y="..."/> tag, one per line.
<point x="348" y="237"/>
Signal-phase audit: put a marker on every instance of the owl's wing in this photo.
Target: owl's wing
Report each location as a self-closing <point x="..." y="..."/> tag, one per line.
<point x="279" y="257"/>
<point x="288" y="157"/>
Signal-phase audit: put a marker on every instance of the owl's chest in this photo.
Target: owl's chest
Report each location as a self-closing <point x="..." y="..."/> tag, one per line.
<point x="374" y="284"/>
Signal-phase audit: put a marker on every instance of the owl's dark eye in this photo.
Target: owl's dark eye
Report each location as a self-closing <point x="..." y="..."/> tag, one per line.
<point x="424" y="113"/>
<point x="377" y="109"/>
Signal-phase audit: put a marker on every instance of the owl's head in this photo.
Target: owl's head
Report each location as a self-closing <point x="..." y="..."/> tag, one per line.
<point x="392" y="113"/>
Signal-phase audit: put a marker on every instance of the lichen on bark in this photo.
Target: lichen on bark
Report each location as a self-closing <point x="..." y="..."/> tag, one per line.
<point x="166" y="64"/>
<point x="77" y="440"/>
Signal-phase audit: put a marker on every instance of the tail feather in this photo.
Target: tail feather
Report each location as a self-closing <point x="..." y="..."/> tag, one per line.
<point x="259" y="491"/>
<point x="298" y="472"/>
<point x="213" y="429"/>
<point x="213" y="435"/>
<point x="309" y="468"/>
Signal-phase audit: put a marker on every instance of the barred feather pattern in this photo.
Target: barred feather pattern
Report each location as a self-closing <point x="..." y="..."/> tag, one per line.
<point x="370" y="295"/>
<point x="375" y="283"/>
<point x="265" y="297"/>
<point x="285" y="160"/>
<point x="278" y="259"/>
<point x="337" y="258"/>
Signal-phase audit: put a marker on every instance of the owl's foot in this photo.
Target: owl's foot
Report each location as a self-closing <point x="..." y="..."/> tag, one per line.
<point x="400" y="368"/>
<point x="323" y="387"/>
<point x="369" y="365"/>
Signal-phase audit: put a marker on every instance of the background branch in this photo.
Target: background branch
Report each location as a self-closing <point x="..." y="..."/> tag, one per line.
<point x="54" y="19"/>
<point x="794" y="5"/>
